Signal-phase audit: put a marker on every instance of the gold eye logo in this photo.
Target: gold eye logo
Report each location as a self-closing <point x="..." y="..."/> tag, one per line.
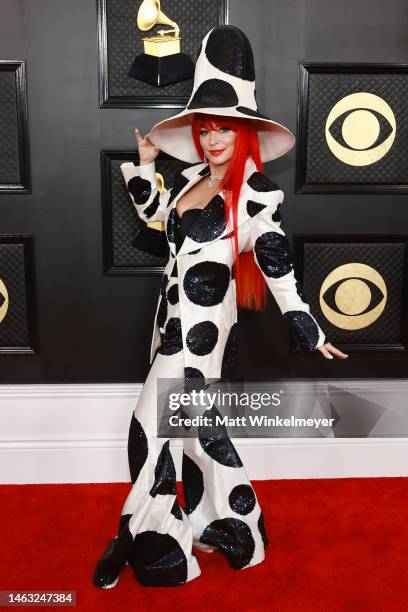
<point x="353" y="289"/>
<point x="360" y="129"/>
<point x="4" y="300"/>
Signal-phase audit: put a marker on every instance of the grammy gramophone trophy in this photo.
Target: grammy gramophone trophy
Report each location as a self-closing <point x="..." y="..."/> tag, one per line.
<point x="162" y="62"/>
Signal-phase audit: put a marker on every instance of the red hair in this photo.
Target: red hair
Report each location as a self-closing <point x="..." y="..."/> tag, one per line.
<point x="250" y="284"/>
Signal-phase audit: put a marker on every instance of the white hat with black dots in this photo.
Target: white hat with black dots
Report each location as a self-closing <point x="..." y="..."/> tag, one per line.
<point x="224" y="85"/>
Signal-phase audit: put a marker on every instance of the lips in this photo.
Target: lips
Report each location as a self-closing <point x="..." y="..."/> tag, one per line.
<point x="217" y="152"/>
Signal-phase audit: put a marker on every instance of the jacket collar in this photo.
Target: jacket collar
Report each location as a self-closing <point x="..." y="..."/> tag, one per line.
<point x="194" y="175"/>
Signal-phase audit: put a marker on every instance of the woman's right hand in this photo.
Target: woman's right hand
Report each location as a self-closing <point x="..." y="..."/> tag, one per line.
<point x="147" y="150"/>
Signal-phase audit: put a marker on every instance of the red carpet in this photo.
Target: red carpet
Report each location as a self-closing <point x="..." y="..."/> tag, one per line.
<point x="335" y="544"/>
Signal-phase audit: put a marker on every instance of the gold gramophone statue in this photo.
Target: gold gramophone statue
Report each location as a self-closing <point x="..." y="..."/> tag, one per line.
<point x="162" y="62"/>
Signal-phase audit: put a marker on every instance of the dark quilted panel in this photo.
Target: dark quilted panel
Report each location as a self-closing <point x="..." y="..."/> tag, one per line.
<point x="385" y="258"/>
<point x="125" y="42"/>
<point x="14" y="327"/>
<point x="9" y="158"/>
<point x="325" y="91"/>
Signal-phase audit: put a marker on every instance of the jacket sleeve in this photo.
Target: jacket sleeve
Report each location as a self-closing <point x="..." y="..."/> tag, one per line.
<point x="142" y="185"/>
<point x="273" y="256"/>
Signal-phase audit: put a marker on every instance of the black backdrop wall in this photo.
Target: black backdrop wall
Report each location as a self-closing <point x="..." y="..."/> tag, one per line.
<point x="95" y="328"/>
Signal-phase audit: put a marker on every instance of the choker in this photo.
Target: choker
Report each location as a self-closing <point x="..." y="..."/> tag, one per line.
<point x="213" y="180"/>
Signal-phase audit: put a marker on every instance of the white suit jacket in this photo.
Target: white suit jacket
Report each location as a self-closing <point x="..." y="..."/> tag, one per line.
<point x="203" y="265"/>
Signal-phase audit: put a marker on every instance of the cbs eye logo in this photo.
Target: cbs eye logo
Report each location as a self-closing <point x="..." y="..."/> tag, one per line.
<point x="357" y="291"/>
<point x="360" y="129"/>
<point x="4" y="300"/>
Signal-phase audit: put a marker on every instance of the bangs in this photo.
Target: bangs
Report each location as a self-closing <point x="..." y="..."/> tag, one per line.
<point x="211" y="122"/>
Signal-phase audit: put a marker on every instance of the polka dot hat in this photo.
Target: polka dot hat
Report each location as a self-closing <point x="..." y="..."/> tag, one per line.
<point x="224" y="85"/>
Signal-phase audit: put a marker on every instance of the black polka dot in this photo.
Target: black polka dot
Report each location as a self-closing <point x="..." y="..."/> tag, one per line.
<point x="304" y="328"/>
<point x="214" y="93"/>
<point x="210" y="223"/>
<point x="192" y="373"/>
<point x="276" y="216"/>
<point x="152" y="208"/>
<point x="273" y="254"/>
<point x="158" y="560"/>
<point x="245" y="110"/>
<point x="164" y="473"/>
<point x="193" y="483"/>
<point x="260" y="182"/>
<point x="114" y="558"/>
<point x="163" y="284"/>
<point x="171" y="340"/>
<point x="233" y="537"/>
<point x="193" y="379"/>
<point x="202" y="338"/>
<point x="230" y="352"/>
<point x="229" y="50"/>
<point x="140" y="189"/>
<point x="206" y="283"/>
<point x="171" y="227"/>
<point x="253" y="208"/>
<point x="179" y="183"/>
<point x="123" y="521"/>
<point x="262" y="530"/>
<point x="242" y="499"/>
<point x="301" y="293"/>
<point x="162" y="312"/>
<point x="214" y="439"/>
<point x="173" y="294"/>
<point x="137" y="448"/>
<point x="176" y="511"/>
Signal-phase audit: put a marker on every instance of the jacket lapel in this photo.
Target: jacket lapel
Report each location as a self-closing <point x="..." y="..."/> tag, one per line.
<point x="193" y="175"/>
<point x="189" y="244"/>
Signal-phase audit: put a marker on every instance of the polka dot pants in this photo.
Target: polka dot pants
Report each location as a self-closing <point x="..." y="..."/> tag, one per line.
<point x="156" y="536"/>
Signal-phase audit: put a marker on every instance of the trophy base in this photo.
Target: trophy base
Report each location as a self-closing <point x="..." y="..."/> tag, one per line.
<point x="159" y="71"/>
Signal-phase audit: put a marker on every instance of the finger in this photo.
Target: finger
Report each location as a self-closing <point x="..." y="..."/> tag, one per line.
<point x="148" y="140"/>
<point x="154" y="147"/>
<point x="325" y="352"/>
<point x="336" y="351"/>
<point x="138" y="136"/>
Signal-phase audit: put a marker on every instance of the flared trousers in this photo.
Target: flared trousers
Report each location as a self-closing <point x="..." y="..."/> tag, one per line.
<point x="155" y="535"/>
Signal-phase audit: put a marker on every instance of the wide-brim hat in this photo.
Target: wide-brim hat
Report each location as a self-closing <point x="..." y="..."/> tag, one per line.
<point x="224" y="85"/>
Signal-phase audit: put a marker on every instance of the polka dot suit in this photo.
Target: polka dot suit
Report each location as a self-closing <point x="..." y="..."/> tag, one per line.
<point x="195" y="338"/>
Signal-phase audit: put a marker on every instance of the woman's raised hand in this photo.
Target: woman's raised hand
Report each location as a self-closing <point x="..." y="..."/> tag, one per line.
<point x="147" y="150"/>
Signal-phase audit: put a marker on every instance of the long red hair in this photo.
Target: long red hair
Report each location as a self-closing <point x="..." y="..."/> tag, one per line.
<point x="250" y="284"/>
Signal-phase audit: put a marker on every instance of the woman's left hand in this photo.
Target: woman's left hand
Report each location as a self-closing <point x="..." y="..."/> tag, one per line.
<point x="328" y="348"/>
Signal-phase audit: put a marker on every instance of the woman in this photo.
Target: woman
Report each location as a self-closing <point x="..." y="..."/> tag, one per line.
<point x="226" y="248"/>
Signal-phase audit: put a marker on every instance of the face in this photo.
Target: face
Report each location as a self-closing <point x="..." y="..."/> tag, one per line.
<point x="218" y="143"/>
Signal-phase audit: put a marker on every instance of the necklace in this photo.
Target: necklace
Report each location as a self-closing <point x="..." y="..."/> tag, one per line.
<point x="213" y="180"/>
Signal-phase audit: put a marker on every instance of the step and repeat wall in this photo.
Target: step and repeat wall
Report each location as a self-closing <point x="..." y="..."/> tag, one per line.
<point x="78" y="298"/>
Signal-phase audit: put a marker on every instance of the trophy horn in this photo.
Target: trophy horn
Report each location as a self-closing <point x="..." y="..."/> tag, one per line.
<point x="150" y="14"/>
<point x="162" y="62"/>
